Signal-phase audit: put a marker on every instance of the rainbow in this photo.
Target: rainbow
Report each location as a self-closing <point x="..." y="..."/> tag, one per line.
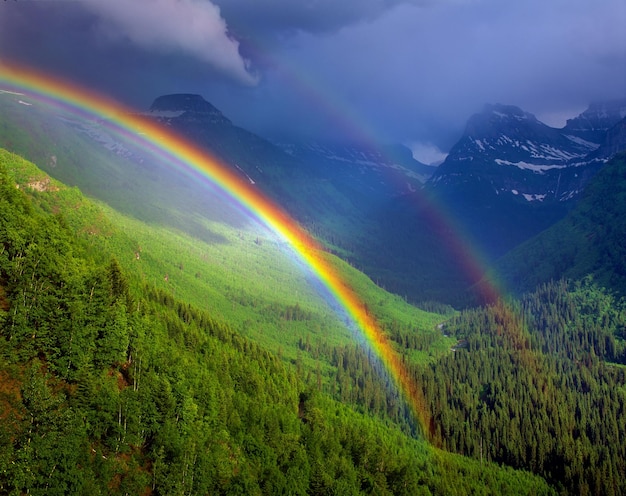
<point x="169" y="144"/>
<point x="341" y="114"/>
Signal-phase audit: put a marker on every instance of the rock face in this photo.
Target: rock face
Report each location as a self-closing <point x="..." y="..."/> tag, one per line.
<point x="188" y="106"/>
<point x="614" y="142"/>
<point x="511" y="176"/>
<point x="377" y="173"/>
<point x="593" y="124"/>
<point x="506" y="151"/>
<point x="364" y="175"/>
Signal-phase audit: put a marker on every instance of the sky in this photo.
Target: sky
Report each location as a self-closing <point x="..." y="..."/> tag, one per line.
<point x="402" y="71"/>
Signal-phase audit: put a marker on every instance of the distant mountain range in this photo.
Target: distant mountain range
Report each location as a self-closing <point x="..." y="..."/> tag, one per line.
<point x="334" y="190"/>
<point x="508" y="178"/>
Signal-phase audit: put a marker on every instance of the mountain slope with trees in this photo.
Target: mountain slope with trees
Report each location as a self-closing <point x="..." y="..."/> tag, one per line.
<point x="113" y="387"/>
<point x="589" y="241"/>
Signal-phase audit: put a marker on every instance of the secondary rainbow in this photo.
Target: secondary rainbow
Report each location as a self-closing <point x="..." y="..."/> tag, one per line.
<point x="46" y="87"/>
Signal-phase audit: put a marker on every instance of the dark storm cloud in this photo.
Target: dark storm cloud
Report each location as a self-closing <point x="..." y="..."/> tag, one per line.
<point x="417" y="71"/>
<point x="398" y="70"/>
<point x="88" y="32"/>
<point x="275" y="17"/>
<point x="191" y="27"/>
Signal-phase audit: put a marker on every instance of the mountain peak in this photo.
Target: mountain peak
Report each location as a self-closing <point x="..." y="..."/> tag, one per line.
<point x="596" y="120"/>
<point x="506" y="112"/>
<point x="188" y="104"/>
<point x="495" y="118"/>
<point x="182" y="101"/>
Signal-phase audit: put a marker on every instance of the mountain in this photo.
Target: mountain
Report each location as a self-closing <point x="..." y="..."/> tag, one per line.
<point x="255" y="159"/>
<point x="136" y="359"/>
<point x="117" y="381"/>
<point x="614" y="141"/>
<point x="190" y="107"/>
<point x="589" y="241"/>
<point x="336" y="192"/>
<point x="386" y="171"/>
<point x="508" y="152"/>
<point x="596" y="120"/>
<point x="354" y="170"/>
<point x="507" y="178"/>
<point x="366" y="203"/>
<point x="511" y="176"/>
<point x="332" y="189"/>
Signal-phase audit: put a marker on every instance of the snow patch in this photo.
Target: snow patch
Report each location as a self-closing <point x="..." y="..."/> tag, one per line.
<point x="582" y="142"/>
<point x="12" y="93"/>
<point x="245" y="174"/>
<point x="25" y="103"/>
<point x="525" y="165"/>
<point x="568" y="195"/>
<point x="533" y="197"/>
<point x="518" y="117"/>
<point x="547" y="152"/>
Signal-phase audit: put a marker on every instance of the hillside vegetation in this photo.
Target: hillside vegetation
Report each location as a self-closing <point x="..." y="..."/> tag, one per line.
<point x="111" y="383"/>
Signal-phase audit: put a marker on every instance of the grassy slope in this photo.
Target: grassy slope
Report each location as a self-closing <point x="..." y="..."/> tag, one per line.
<point x="149" y="189"/>
<point x="248" y="279"/>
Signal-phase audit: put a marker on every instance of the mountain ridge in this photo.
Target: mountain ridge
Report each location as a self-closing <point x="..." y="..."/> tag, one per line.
<point x="510" y="176"/>
<point x="598" y="118"/>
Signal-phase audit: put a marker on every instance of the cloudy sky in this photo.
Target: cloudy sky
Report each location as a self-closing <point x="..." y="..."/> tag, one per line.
<point x="408" y="71"/>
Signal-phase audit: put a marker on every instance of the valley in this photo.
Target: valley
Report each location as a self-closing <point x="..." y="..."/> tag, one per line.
<point x="158" y="338"/>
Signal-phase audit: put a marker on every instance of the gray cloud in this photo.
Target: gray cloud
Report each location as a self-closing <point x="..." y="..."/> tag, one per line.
<point x="410" y="71"/>
<point x="280" y="17"/>
<point x="416" y="71"/>
<point x="76" y="32"/>
<point x="185" y="26"/>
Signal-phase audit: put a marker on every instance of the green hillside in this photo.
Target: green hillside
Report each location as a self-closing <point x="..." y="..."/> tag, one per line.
<point x="538" y="384"/>
<point x="112" y="383"/>
<point x="417" y="262"/>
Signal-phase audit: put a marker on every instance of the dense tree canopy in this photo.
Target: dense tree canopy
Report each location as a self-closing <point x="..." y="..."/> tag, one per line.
<point x="108" y="386"/>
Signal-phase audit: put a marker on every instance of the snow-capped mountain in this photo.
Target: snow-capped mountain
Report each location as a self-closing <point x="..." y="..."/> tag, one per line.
<point x="510" y="176"/>
<point x="508" y="152"/>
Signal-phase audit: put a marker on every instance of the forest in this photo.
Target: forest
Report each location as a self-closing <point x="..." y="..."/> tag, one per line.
<point x="112" y="384"/>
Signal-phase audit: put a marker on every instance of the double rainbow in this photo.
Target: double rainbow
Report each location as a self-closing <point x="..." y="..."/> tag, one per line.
<point x="171" y="145"/>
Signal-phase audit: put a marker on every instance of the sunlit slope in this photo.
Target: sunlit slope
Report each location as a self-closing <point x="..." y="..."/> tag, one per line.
<point x="100" y="160"/>
<point x="96" y="155"/>
<point x="249" y="278"/>
<point x="405" y="258"/>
